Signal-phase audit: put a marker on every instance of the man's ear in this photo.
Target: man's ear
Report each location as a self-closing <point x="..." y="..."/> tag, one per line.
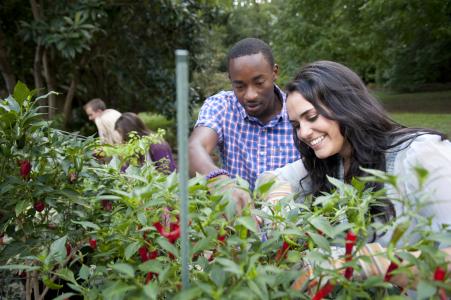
<point x="275" y="71"/>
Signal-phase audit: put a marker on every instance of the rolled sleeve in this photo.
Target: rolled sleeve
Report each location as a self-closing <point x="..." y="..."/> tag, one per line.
<point x="212" y="114"/>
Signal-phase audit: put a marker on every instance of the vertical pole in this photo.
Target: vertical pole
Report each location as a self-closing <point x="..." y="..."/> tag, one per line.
<point x="181" y="60"/>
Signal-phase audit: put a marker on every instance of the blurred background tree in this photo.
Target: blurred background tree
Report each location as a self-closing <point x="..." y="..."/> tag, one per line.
<point x="123" y="50"/>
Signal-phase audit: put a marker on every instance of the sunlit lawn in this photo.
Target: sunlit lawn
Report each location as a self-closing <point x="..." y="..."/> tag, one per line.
<point x="440" y="122"/>
<point x="427" y="109"/>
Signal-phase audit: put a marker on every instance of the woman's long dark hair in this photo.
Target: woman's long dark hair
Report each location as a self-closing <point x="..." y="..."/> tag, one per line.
<point x="339" y="94"/>
<point x="129" y="122"/>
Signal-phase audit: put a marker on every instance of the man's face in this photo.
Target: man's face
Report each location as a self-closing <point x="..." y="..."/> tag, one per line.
<point x="253" y="79"/>
<point x="92" y="114"/>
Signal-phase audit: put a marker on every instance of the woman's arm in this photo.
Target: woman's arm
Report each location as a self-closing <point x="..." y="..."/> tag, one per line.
<point x="378" y="265"/>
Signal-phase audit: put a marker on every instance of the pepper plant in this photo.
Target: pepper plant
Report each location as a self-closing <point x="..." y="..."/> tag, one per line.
<point x="73" y="225"/>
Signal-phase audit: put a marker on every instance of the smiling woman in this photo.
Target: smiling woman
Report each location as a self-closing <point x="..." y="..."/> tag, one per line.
<point x="339" y="129"/>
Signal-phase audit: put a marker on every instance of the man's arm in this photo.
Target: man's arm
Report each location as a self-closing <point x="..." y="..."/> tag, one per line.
<point x="202" y="142"/>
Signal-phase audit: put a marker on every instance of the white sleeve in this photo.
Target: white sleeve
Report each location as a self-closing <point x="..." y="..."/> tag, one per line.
<point x="291" y="173"/>
<point x="432" y="154"/>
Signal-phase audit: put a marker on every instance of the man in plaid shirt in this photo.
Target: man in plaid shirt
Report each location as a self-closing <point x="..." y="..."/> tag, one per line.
<point x="249" y="125"/>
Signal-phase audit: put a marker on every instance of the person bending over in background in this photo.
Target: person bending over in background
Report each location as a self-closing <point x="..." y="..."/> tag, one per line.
<point x="249" y="125"/>
<point x="340" y="128"/>
<point x="129" y="122"/>
<point x="104" y="119"/>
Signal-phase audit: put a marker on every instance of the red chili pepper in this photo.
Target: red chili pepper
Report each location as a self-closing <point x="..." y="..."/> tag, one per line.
<point x="25" y="168"/>
<point x="68" y="249"/>
<point x="324" y="291"/>
<point x="282" y="252"/>
<point x="221" y="238"/>
<point x="93" y="243"/>
<point x="39" y="205"/>
<point x="107" y="205"/>
<point x="152" y="255"/>
<point x="439" y="275"/>
<point x="173" y="235"/>
<point x="143" y="253"/>
<point x="388" y="275"/>
<point x="146" y="255"/>
<point x="351" y="239"/>
<point x="149" y="276"/>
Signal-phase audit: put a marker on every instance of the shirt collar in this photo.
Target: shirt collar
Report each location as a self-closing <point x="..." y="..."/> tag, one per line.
<point x="279" y="117"/>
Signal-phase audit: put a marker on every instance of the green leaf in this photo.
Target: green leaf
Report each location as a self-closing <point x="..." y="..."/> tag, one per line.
<point x="117" y="290"/>
<point x="399" y="232"/>
<point x="263" y="188"/>
<point x="21" y="206"/>
<point x="164" y="243"/>
<point x="50" y="284"/>
<point x="323" y="225"/>
<point x="86" y="224"/>
<point x="189" y="294"/>
<point x="425" y="290"/>
<point x="151" y="290"/>
<point x="248" y="222"/>
<point x="255" y="288"/>
<point x="201" y="245"/>
<point x="19" y="267"/>
<point x="57" y="250"/>
<point x="217" y="275"/>
<point x="320" y="241"/>
<point x="293" y="256"/>
<point x="84" y="272"/>
<point x="142" y="218"/>
<point x="20" y="94"/>
<point x="67" y="275"/>
<point x="64" y="296"/>
<point x="125" y="269"/>
<point x="230" y="266"/>
<point x="131" y="249"/>
<point x="46" y="95"/>
<point x="151" y="266"/>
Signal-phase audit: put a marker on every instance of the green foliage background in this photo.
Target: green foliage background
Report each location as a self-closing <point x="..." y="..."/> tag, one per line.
<point x="123" y="51"/>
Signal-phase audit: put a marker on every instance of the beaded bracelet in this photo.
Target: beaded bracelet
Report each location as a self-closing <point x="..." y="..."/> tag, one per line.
<point x="216" y="173"/>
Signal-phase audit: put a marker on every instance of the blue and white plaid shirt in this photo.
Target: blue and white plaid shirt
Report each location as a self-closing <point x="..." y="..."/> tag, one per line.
<point x="248" y="147"/>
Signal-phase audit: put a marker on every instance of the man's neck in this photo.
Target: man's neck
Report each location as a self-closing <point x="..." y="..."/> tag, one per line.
<point x="275" y="108"/>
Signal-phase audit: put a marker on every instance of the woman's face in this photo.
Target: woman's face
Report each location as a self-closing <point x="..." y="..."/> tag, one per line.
<point x="318" y="132"/>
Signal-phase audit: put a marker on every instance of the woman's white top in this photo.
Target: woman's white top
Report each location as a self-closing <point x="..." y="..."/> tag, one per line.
<point x="427" y="151"/>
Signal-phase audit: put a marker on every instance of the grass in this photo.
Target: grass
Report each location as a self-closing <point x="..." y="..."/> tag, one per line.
<point x="423" y="102"/>
<point x="421" y="109"/>
<point x="440" y="122"/>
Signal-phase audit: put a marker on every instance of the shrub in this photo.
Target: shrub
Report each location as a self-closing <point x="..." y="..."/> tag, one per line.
<point x="82" y="227"/>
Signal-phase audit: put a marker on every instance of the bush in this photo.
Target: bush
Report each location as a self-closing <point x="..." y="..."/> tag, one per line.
<point x="71" y="223"/>
<point x="155" y="121"/>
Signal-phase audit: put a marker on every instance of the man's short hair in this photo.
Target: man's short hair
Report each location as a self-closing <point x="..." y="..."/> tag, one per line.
<point x="249" y="46"/>
<point x="95" y="104"/>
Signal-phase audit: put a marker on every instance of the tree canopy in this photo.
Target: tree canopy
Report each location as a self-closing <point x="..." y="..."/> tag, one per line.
<point x="123" y="51"/>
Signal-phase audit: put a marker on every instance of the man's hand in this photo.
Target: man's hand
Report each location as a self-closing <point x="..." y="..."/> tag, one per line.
<point x="241" y="197"/>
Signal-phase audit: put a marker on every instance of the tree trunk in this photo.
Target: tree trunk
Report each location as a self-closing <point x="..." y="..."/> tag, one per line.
<point x="5" y="67"/>
<point x="51" y="85"/>
<point x="69" y="98"/>
<point x="37" y="71"/>
<point x="37" y="63"/>
<point x="67" y="112"/>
